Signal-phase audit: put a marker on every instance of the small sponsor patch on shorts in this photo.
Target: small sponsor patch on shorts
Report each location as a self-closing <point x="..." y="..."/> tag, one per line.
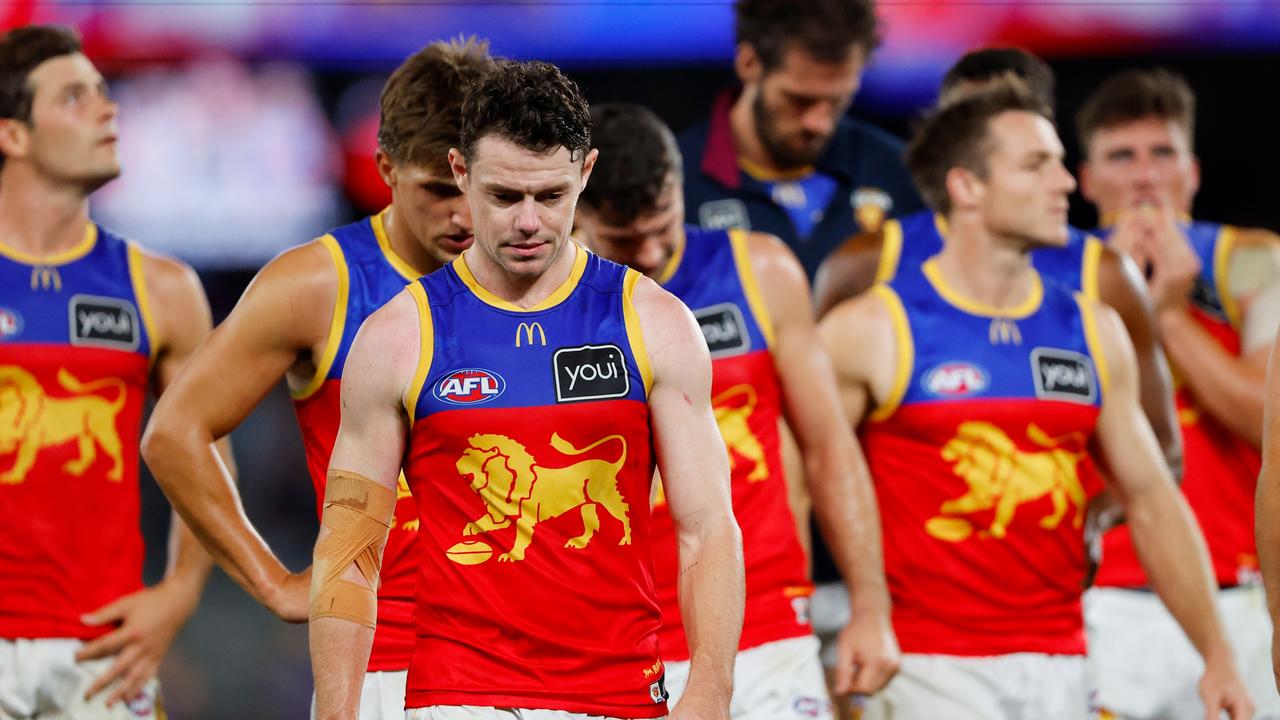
<point x="658" y="690"/>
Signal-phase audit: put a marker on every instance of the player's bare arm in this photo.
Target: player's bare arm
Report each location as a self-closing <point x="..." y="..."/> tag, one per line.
<point x="695" y="475"/>
<point x="1165" y="535"/>
<point x="359" y="501"/>
<point x="835" y="471"/>
<point x="1268" y="505"/>
<point x="1229" y="387"/>
<point x="150" y="618"/>
<point x="273" y="332"/>
<point x="848" y="271"/>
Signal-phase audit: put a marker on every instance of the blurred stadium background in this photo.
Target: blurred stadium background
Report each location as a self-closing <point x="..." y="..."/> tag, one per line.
<point x="248" y="126"/>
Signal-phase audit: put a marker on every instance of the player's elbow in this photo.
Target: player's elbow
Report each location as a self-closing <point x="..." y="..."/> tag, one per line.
<point x="162" y="442"/>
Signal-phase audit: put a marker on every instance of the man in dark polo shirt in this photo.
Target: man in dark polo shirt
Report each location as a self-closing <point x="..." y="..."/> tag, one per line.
<point x="778" y="155"/>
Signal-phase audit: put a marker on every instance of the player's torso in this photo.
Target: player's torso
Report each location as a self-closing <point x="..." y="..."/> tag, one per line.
<point x="531" y="463"/>
<point x="369" y="275"/>
<point x="75" y="356"/>
<point x="712" y="275"/>
<point x="1220" y="469"/>
<point x="976" y="457"/>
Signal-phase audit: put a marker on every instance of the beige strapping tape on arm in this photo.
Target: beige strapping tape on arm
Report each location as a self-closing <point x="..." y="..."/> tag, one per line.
<point x="358" y="514"/>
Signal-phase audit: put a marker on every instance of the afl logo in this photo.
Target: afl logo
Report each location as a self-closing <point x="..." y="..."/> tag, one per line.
<point x="469" y="387"/>
<point x="10" y="323"/>
<point x="956" y="379"/>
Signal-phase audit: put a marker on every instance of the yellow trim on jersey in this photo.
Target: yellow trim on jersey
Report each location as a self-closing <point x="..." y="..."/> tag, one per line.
<point x="765" y="175"/>
<point x="336" y="325"/>
<point x="384" y="244"/>
<point x="673" y="263"/>
<point x="427" y="344"/>
<point x="890" y="251"/>
<point x="1222" y="274"/>
<point x="1090" y="321"/>
<point x="1089" y="267"/>
<point x="973" y="307"/>
<point x="71" y="254"/>
<point x="634" y="333"/>
<point x="750" y="286"/>
<point x="139" y="279"/>
<point x="555" y="298"/>
<point x="904" y="358"/>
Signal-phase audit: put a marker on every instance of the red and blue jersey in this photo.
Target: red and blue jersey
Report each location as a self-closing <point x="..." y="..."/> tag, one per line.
<point x="1220" y="469"/>
<point x="976" y="456"/>
<point x="531" y="463"/>
<point x="369" y="274"/>
<point x="76" y="346"/>
<point x="712" y="274"/>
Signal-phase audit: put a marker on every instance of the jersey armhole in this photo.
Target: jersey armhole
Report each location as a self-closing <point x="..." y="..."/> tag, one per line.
<point x="137" y="276"/>
<point x="635" y="336"/>
<point x="1090" y="321"/>
<point x="426" y="351"/>
<point x="1089" y="267"/>
<point x="904" y="357"/>
<point x="750" y="287"/>
<point x="337" y="325"/>
<point x="890" y="251"/>
<point x="1226" y="242"/>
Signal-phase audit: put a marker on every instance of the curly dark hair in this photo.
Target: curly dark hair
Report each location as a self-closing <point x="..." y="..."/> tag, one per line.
<point x="21" y="51"/>
<point x="958" y="135"/>
<point x="826" y="29"/>
<point x="987" y="64"/>
<point x="1134" y="95"/>
<point x="422" y="102"/>
<point x="638" y="155"/>
<point x="533" y="105"/>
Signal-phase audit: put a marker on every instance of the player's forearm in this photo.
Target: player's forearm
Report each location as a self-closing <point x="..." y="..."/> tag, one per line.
<point x="1230" y="390"/>
<point x="1173" y="554"/>
<point x="339" y="654"/>
<point x="1266" y="515"/>
<point x="849" y="519"/>
<point x="712" y="590"/>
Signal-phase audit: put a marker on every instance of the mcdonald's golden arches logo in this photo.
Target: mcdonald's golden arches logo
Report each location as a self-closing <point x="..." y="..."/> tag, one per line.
<point x="44" y="277"/>
<point x="527" y="331"/>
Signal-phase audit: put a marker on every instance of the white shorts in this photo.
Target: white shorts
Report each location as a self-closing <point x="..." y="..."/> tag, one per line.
<point x="475" y="712"/>
<point x="829" y="612"/>
<point x="41" y="679"/>
<point x="381" y="696"/>
<point x="781" y="680"/>
<point x="1019" y="686"/>
<point x="1145" y="667"/>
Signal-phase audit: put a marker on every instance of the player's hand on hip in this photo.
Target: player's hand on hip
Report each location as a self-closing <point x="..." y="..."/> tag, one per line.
<point x="867" y="653"/>
<point x="147" y="620"/>
<point x="1222" y="690"/>
<point x="291" y="598"/>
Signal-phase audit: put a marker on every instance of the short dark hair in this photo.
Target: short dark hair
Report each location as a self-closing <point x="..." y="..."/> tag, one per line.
<point x="21" y="51"/>
<point x="959" y="135"/>
<point x="988" y="64"/>
<point x="826" y="29"/>
<point x="1134" y="95"/>
<point x="421" y="103"/>
<point x="638" y="155"/>
<point x="533" y="105"/>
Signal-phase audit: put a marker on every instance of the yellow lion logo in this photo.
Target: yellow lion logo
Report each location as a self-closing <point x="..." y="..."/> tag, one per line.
<point x="1002" y="477"/>
<point x="31" y="421"/>
<point x="733" y="409"/>
<point x="514" y="487"/>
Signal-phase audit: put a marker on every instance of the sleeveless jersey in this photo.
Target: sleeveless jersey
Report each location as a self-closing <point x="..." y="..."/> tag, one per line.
<point x="369" y="275"/>
<point x="76" y="344"/>
<point x="531" y="462"/>
<point x="976" y="457"/>
<point x="911" y="240"/>
<point x="1220" y="469"/>
<point x="712" y="275"/>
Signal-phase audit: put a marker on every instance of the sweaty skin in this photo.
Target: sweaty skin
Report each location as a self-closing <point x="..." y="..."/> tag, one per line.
<point x="1268" y="505"/>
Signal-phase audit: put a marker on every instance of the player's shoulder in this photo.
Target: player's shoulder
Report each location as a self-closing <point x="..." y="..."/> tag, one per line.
<point x="306" y="269"/>
<point x="168" y="279"/>
<point x="1253" y="237"/>
<point x="850" y="270"/>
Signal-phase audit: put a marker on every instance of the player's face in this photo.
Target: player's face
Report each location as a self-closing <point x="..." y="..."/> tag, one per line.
<point x="648" y="242"/>
<point x="1025" y="192"/>
<point x="1143" y="162"/>
<point x="72" y="134"/>
<point x="522" y="201"/>
<point x="797" y="104"/>
<point x="433" y="209"/>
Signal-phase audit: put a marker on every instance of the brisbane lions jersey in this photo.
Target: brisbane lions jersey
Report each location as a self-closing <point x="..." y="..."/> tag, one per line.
<point x="1220" y="469"/>
<point x="76" y="345"/>
<point x="369" y="274"/>
<point x="531" y="462"/>
<point x="712" y="274"/>
<point x="976" y="457"/>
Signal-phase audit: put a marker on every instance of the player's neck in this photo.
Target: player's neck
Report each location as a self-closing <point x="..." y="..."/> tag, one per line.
<point x="984" y="267"/>
<point x="746" y="138"/>
<point x="37" y="218"/>
<point x="406" y="246"/>
<point x="519" y="290"/>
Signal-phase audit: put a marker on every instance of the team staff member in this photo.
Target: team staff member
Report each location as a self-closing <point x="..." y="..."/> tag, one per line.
<point x="297" y="321"/>
<point x="89" y="323"/>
